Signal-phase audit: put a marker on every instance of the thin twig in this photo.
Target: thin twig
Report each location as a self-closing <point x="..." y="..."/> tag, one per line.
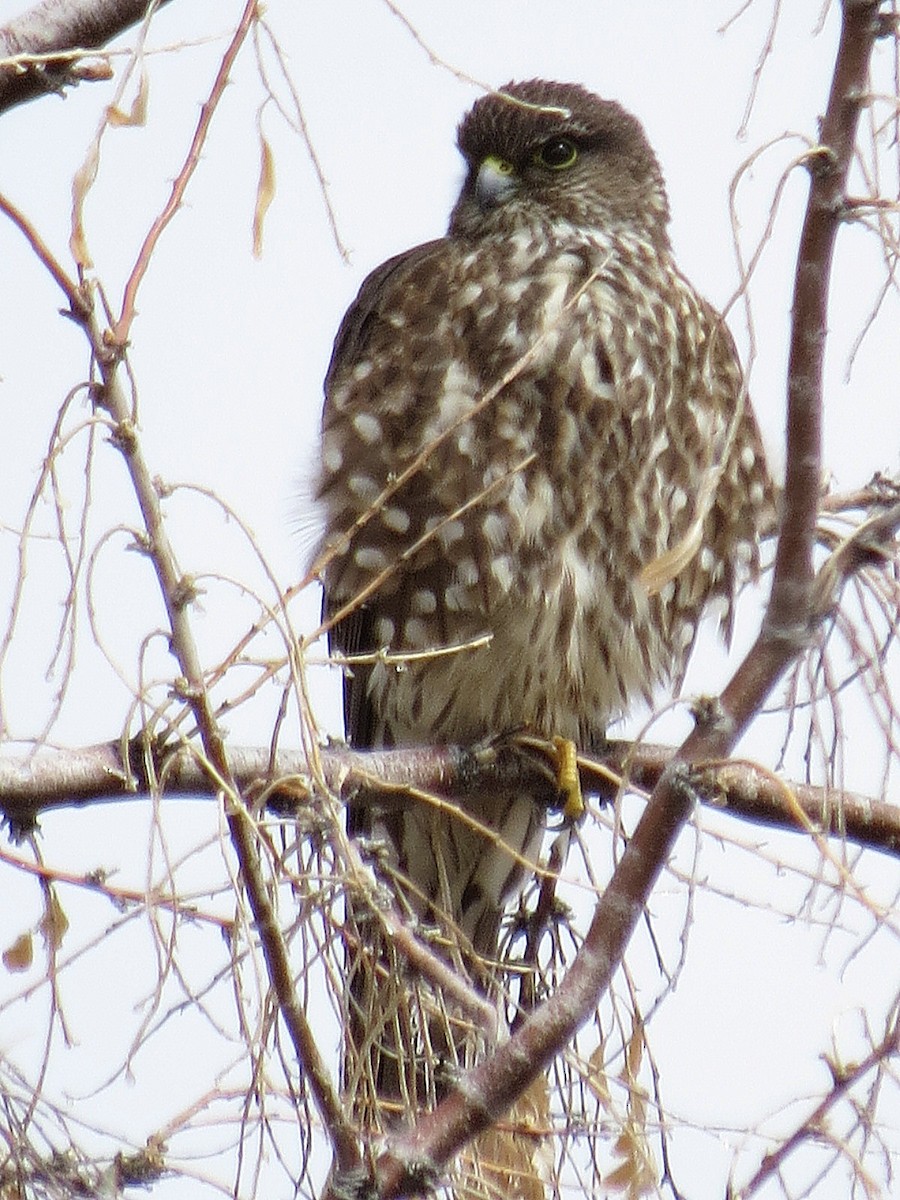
<point x="79" y="302"/>
<point x="845" y="1078"/>
<point x="118" y="335"/>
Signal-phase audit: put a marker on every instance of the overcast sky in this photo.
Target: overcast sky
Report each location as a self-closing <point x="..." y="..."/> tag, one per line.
<point x="228" y="354"/>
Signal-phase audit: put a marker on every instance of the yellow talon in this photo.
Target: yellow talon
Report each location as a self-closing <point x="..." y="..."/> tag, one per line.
<point x="568" y="778"/>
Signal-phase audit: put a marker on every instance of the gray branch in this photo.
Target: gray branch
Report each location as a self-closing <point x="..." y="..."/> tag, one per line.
<point x="52" y="30"/>
<point x="34" y="784"/>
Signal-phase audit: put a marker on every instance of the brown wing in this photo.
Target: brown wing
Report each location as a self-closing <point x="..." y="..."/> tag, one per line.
<point x="353" y="635"/>
<point x="355" y="329"/>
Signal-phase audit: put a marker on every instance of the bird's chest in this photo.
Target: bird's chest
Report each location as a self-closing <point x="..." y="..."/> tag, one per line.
<point x="568" y="442"/>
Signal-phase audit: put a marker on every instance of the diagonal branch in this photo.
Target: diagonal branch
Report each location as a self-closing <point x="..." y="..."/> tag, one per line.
<point x="845" y="1078"/>
<point x="178" y="592"/>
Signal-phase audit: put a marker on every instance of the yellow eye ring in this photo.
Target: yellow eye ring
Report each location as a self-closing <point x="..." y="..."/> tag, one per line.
<point x="556" y="154"/>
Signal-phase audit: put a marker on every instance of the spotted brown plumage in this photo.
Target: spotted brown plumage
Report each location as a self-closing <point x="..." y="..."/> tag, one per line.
<point x="534" y="429"/>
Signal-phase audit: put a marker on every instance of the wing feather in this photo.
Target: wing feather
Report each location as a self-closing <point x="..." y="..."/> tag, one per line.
<point x="354" y="634"/>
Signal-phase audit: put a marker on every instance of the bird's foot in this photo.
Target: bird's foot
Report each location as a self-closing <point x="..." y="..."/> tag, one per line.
<point x="568" y="778"/>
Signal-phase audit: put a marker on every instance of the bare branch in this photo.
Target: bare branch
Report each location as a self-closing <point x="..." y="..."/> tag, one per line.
<point x="844" y="1079"/>
<point x="79" y="303"/>
<point x="120" y="331"/>
<point x="791" y="607"/>
<point x="178" y="592"/>
<point x="40" y="51"/>
<point x="47" y="779"/>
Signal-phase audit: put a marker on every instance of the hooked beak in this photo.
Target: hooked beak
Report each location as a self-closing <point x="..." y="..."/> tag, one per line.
<point x="495" y="182"/>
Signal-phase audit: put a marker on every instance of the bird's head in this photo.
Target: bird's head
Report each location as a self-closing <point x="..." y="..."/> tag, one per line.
<point x="540" y="151"/>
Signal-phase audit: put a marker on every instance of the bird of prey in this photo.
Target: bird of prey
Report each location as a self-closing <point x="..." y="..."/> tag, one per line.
<point x="538" y="468"/>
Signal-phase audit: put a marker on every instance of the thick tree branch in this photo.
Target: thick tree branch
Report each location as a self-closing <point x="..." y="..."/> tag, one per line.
<point x="37" y="783"/>
<point x="40" y="50"/>
<point x="791" y="610"/>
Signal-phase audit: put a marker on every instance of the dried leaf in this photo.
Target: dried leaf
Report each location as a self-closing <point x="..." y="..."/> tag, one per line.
<point x="20" y="954"/>
<point x="81" y="185"/>
<point x="596" y="1077"/>
<point x="634" y="1053"/>
<point x="137" y="114"/>
<point x="668" y="565"/>
<point x="665" y="567"/>
<point x="635" y="1174"/>
<point x="622" y="1177"/>
<point x="54" y="923"/>
<point x="265" y="193"/>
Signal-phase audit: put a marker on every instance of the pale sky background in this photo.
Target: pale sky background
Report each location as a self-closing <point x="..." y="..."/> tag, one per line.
<point x="228" y="353"/>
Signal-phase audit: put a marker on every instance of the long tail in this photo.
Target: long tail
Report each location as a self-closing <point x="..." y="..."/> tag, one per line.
<point x="414" y="1022"/>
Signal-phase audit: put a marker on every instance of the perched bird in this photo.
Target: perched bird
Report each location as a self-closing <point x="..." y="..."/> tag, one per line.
<point x="534" y="430"/>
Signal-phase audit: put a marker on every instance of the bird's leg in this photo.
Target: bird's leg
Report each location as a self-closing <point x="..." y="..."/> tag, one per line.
<point x="568" y="778"/>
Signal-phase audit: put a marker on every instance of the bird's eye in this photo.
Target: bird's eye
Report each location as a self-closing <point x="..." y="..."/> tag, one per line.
<point x="556" y="154"/>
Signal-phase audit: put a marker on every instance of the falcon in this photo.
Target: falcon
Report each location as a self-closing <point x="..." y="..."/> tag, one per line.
<point x="538" y="468"/>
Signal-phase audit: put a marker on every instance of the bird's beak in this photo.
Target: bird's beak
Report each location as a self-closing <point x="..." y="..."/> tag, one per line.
<point x="495" y="182"/>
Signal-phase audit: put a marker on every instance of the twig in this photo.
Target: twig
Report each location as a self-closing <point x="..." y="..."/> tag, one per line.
<point x="79" y="301"/>
<point x="118" y="335"/>
<point x="844" y="1079"/>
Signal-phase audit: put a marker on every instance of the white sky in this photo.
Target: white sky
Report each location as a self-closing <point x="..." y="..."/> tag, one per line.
<point x="228" y="353"/>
